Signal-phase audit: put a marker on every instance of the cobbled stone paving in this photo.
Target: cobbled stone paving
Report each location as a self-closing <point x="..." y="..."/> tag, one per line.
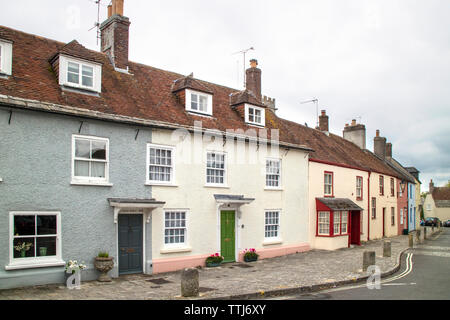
<point x="301" y="269"/>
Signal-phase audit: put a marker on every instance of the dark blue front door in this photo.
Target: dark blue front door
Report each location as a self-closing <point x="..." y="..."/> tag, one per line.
<point x="130" y="243"/>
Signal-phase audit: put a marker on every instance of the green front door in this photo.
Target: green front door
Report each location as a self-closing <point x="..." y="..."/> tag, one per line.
<point x="227" y="236"/>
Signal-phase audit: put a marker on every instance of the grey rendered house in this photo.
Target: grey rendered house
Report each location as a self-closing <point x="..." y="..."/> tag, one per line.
<point x="77" y="152"/>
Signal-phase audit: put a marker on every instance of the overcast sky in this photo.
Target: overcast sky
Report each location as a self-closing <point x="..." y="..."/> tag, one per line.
<point x="385" y="63"/>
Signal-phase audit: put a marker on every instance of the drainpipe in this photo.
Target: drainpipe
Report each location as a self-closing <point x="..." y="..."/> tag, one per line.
<point x="368" y="207"/>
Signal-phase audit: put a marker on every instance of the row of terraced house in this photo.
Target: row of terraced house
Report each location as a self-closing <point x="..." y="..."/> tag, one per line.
<point x="161" y="170"/>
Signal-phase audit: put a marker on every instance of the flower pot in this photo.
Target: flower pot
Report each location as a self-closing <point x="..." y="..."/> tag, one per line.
<point x="104" y="265"/>
<point x="43" y="251"/>
<point x="23" y="253"/>
<point x="213" y="264"/>
<point x="250" y="259"/>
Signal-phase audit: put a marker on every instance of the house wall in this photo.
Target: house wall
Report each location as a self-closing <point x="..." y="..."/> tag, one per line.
<point x="344" y="182"/>
<point x="418" y="203"/>
<point x="35" y="165"/>
<point x="412" y="211"/>
<point x="383" y="201"/>
<point x="402" y="204"/>
<point x="442" y="213"/>
<point x="244" y="177"/>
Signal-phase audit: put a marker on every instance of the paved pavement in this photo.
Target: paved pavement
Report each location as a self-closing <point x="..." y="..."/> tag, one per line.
<point x="425" y="275"/>
<point x="231" y="281"/>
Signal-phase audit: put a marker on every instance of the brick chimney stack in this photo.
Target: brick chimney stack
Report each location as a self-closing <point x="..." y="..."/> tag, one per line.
<point x="379" y="145"/>
<point x="115" y="35"/>
<point x="389" y="150"/>
<point x="323" y="122"/>
<point x="431" y="187"/>
<point x="253" y="79"/>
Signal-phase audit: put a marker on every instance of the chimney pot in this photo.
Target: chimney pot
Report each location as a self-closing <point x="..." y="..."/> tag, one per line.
<point x="378" y="133"/>
<point x="353" y="122"/>
<point x="110" y="9"/>
<point x="117" y="7"/>
<point x="253" y="63"/>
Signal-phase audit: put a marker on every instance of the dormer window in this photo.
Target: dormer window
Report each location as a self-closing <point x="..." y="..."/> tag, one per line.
<point x="5" y="57"/>
<point x="198" y="102"/>
<point x="255" y="115"/>
<point x="80" y="74"/>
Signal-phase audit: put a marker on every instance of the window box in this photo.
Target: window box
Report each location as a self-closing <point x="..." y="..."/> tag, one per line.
<point x="90" y="161"/>
<point x="160" y="165"/>
<point x="35" y="240"/>
<point x="255" y="115"/>
<point x="6" y="57"/>
<point x="199" y="102"/>
<point x="80" y="74"/>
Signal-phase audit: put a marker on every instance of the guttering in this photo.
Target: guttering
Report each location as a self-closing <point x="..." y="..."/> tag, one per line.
<point x="337" y="164"/>
<point x="35" y="105"/>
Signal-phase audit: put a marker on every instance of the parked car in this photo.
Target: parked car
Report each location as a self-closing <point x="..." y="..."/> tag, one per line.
<point x="432" y="222"/>
<point x="446" y="224"/>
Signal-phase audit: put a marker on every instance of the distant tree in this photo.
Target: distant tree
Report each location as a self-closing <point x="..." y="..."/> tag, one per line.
<point x="448" y="184"/>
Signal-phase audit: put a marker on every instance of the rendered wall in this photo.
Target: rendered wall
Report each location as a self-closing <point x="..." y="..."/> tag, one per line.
<point x="35" y="165"/>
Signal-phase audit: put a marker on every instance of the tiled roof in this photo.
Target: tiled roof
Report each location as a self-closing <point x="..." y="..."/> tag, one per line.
<point x="400" y="169"/>
<point x="441" y="197"/>
<point x="147" y="93"/>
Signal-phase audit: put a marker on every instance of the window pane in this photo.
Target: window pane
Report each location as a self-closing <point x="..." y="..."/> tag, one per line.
<point x="99" y="150"/>
<point x="24" y="225"/>
<point x="23" y="247"/>
<point x="98" y="169"/>
<point x="46" y="225"/>
<point x="72" y="77"/>
<point x="81" y="168"/>
<point x="46" y="246"/>
<point x="82" y="148"/>
<point x="194" y="102"/>
<point x="73" y="73"/>
<point x="73" y="67"/>
<point x="203" y="103"/>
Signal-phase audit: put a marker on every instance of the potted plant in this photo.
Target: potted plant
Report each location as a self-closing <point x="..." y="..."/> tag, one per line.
<point x="250" y="255"/>
<point x="104" y="263"/>
<point x="23" y="248"/>
<point x="214" y="260"/>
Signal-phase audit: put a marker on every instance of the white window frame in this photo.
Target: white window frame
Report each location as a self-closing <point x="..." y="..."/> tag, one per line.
<point x="346" y="214"/>
<point x="172" y="175"/>
<point x="319" y="223"/>
<point x="359" y="187"/>
<point x="272" y="174"/>
<point x="6" y="57"/>
<point x="401" y="216"/>
<point x="337" y="222"/>
<point x="277" y="238"/>
<point x="428" y="206"/>
<point x="80" y="180"/>
<point x="225" y="170"/>
<point x="247" y="114"/>
<point x="328" y="184"/>
<point x="96" y="77"/>
<point x="167" y="247"/>
<point x="34" y="262"/>
<point x="209" y="106"/>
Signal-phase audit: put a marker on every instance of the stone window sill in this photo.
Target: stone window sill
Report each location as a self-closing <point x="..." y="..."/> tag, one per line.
<point x="30" y="264"/>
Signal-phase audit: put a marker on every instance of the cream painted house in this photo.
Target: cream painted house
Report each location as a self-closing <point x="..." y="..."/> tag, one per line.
<point x="437" y="203"/>
<point x="271" y="219"/>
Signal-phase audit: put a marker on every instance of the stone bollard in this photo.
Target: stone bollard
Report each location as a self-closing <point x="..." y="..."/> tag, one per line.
<point x="189" y="283"/>
<point x="411" y="240"/>
<point x="386" y="248"/>
<point x="418" y="236"/>
<point x="424" y="233"/>
<point x="368" y="259"/>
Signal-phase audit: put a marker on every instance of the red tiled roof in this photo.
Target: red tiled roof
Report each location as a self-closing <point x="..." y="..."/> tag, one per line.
<point x="441" y="193"/>
<point x="147" y="93"/>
